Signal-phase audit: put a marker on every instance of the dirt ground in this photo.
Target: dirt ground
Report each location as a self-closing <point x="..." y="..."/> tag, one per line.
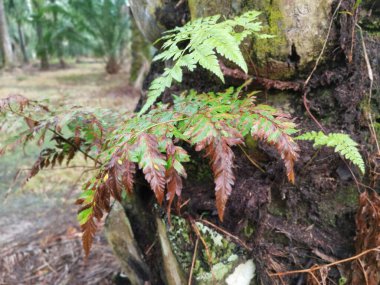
<point x="40" y="241"/>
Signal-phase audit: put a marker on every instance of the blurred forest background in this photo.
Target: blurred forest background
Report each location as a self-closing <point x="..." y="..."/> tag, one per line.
<point x="68" y="52"/>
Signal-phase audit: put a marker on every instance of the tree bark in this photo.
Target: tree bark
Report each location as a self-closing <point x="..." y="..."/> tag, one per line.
<point x="22" y="43"/>
<point x="42" y="51"/>
<point x="6" y="45"/>
<point x="112" y="66"/>
<point x="303" y="224"/>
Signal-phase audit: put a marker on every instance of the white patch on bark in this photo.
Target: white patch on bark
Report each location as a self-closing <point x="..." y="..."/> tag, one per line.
<point x="243" y="274"/>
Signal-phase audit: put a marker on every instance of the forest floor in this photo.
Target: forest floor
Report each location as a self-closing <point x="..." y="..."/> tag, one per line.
<point x="40" y="240"/>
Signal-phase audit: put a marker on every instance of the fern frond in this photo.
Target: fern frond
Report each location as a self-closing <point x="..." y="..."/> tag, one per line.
<point x="205" y="38"/>
<point x="275" y="129"/>
<point x="117" y="174"/>
<point x="225" y="45"/>
<point x="174" y="170"/>
<point x="217" y="138"/>
<point x="89" y="229"/>
<point x="87" y="215"/>
<point x="342" y="144"/>
<point x="152" y="162"/>
<point x="222" y="158"/>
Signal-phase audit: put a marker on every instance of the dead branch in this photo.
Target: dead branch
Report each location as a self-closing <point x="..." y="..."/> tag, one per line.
<point x="319" y="267"/>
<point x="265" y="82"/>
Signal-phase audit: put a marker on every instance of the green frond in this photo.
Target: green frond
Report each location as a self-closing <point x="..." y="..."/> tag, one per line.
<point x="342" y="144"/>
<point x="225" y="45"/>
<point x="199" y="43"/>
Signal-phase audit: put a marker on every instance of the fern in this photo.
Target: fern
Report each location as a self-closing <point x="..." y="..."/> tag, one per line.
<point x="342" y="144"/>
<point x="198" y="43"/>
<point x="71" y="130"/>
<point x="211" y="122"/>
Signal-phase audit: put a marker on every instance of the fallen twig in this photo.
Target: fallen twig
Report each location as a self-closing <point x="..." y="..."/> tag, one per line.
<point x="324" y="44"/>
<point x="208" y="253"/>
<point x="193" y="261"/>
<point x="370" y="76"/>
<point x="319" y="267"/>
<point x="252" y="160"/>
<point x="265" y="82"/>
<point x="305" y="101"/>
<point x="239" y="241"/>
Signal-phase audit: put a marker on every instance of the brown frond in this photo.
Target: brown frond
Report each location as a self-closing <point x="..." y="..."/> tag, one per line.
<point x="127" y="178"/>
<point x="119" y="174"/>
<point x="152" y="165"/>
<point x="217" y="139"/>
<point x="102" y="198"/>
<point x="222" y="163"/>
<point x="274" y="132"/>
<point x="174" y="187"/>
<point x="89" y="230"/>
<point x="174" y="172"/>
<point x="20" y="100"/>
<point x="367" y="237"/>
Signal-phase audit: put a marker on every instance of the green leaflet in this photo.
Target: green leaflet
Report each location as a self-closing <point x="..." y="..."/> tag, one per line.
<point x="199" y="43"/>
<point x="342" y="144"/>
<point x="84" y="216"/>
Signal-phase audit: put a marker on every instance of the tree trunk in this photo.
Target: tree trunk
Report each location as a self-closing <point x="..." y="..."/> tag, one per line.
<point x="112" y="66"/>
<point x="299" y="27"/>
<point x="22" y="43"/>
<point x="59" y="46"/>
<point x="141" y="53"/>
<point x="6" y="46"/>
<point x="285" y="226"/>
<point x="42" y="51"/>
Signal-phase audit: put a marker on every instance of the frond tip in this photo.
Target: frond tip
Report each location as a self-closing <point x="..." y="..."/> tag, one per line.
<point x="342" y="144"/>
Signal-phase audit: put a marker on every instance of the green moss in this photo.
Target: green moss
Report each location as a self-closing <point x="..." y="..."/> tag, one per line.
<point x="377" y="130"/>
<point x="225" y="255"/>
<point x="141" y="51"/>
<point x="204" y="8"/>
<point x="180" y="241"/>
<point x="199" y="171"/>
<point x="334" y="205"/>
<point x="248" y="230"/>
<point x="251" y="143"/>
<point x="276" y="209"/>
<point x="192" y="7"/>
<point x="281" y="100"/>
<point x="373" y="109"/>
<point x="274" y="19"/>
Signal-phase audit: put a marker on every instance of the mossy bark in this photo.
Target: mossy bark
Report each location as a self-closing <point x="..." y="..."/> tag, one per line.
<point x="300" y="28"/>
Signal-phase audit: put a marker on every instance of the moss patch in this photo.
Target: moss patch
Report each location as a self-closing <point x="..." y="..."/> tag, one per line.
<point x="336" y="204"/>
<point x="225" y="255"/>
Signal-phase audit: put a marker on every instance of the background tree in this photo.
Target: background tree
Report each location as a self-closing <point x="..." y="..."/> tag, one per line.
<point x="60" y="28"/>
<point x="40" y="23"/>
<point x="21" y="32"/>
<point x="108" y="22"/>
<point x="6" y="46"/>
